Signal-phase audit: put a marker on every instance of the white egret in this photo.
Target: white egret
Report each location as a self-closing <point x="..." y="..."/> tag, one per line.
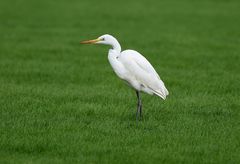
<point x="132" y="67"/>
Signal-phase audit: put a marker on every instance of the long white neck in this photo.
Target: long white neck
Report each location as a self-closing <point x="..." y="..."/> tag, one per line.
<point x="117" y="66"/>
<point x="113" y="55"/>
<point x="115" y="45"/>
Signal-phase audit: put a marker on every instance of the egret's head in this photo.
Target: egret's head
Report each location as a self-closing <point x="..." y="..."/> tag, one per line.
<point x="105" y="39"/>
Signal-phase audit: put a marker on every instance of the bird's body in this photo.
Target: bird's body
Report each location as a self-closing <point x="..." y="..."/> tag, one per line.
<point x="135" y="69"/>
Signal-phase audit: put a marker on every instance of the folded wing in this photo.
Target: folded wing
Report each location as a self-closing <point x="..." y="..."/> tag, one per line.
<point x="143" y="72"/>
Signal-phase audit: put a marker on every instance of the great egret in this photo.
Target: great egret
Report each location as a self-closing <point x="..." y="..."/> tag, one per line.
<point x="132" y="67"/>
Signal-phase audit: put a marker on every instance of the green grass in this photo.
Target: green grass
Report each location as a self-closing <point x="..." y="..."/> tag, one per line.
<point x="60" y="102"/>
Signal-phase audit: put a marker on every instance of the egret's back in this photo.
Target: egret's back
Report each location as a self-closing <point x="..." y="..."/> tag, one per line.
<point x="141" y="74"/>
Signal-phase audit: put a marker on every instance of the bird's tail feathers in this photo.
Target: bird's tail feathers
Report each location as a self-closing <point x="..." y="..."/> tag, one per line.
<point x="163" y="88"/>
<point x="166" y="91"/>
<point x="159" y="93"/>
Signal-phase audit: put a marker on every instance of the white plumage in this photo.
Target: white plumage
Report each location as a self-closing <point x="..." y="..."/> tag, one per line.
<point x="141" y="75"/>
<point x="133" y="68"/>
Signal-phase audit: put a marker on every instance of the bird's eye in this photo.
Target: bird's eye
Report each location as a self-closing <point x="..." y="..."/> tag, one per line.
<point x="103" y="39"/>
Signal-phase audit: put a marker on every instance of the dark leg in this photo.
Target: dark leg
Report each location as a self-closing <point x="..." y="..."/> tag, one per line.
<point x="139" y="105"/>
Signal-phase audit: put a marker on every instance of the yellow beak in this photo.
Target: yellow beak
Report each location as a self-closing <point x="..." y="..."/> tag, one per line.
<point x="90" y="41"/>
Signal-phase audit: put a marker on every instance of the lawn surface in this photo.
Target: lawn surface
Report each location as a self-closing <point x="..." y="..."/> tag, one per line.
<point x="60" y="102"/>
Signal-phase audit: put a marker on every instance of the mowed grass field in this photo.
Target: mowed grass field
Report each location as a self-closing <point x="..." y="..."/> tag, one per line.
<point x="60" y="101"/>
